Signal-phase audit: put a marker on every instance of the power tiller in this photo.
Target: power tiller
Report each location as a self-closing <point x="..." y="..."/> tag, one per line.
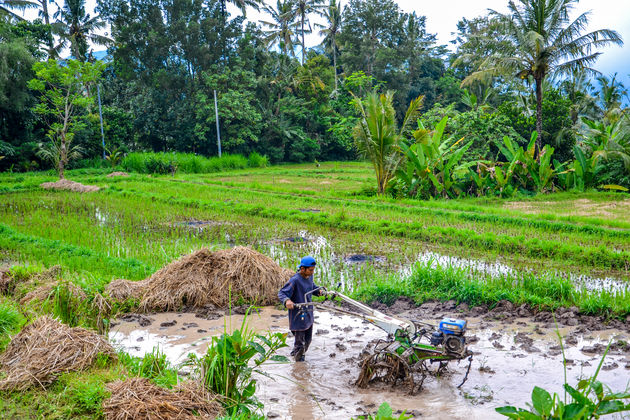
<point x="410" y="348"/>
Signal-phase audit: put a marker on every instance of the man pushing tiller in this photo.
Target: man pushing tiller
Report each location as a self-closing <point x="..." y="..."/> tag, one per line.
<point x="297" y="290"/>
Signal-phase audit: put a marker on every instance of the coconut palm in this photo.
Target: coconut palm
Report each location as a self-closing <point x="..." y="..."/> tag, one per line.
<point x="377" y="136"/>
<point x="241" y="4"/>
<point x="281" y="26"/>
<point x="578" y="89"/>
<point x="8" y="6"/>
<point x="301" y="9"/>
<point x="611" y="92"/>
<point x="332" y="14"/>
<point x="541" y="40"/>
<point x="76" y="27"/>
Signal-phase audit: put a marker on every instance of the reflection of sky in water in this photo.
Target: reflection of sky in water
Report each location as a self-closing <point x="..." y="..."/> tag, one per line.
<point x="334" y="267"/>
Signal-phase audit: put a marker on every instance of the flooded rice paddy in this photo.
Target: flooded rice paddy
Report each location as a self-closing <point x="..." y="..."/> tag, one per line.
<point x="509" y="359"/>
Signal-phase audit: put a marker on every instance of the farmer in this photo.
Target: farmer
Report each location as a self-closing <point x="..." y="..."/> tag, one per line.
<point x="300" y="322"/>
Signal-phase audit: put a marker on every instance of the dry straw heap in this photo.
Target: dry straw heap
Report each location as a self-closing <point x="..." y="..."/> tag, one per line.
<point x="139" y="399"/>
<point x="47" y="348"/>
<point x="206" y="277"/>
<point x="44" y="292"/>
<point x="66" y="184"/>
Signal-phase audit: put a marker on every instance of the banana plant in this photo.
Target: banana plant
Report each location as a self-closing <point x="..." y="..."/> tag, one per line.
<point x="533" y="172"/>
<point x="433" y="163"/>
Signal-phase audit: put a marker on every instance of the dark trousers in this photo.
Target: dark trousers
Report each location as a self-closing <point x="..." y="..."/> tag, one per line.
<point x="302" y="341"/>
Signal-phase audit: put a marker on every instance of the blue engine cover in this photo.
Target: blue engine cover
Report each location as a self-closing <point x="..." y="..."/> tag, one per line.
<point x="453" y="326"/>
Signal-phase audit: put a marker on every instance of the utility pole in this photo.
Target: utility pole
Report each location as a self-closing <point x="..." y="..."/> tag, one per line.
<point x="216" y="113"/>
<point x="100" y="114"/>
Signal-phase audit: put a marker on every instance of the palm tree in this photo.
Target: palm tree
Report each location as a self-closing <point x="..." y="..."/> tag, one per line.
<point x="577" y="89"/>
<point x="241" y="4"/>
<point x="301" y="8"/>
<point x="541" y="40"/>
<point x="76" y="27"/>
<point x="332" y="14"/>
<point x="611" y="92"/>
<point x="281" y="26"/>
<point x="7" y="7"/>
<point x="377" y="136"/>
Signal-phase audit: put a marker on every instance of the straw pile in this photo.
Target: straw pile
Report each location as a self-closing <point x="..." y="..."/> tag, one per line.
<point x="113" y="174"/>
<point x="139" y="399"/>
<point x="66" y="184"/>
<point x="121" y="289"/>
<point x="43" y="292"/>
<point x="206" y="277"/>
<point x="47" y="348"/>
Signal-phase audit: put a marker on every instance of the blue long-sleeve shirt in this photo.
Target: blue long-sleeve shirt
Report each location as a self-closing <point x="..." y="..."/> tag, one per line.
<point x="295" y="289"/>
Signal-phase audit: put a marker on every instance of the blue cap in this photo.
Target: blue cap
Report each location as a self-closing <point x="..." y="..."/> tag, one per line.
<point x="307" y="261"/>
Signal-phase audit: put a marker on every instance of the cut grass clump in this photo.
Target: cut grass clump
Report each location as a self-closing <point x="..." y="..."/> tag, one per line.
<point x="206" y="277"/>
<point x="139" y="398"/>
<point x="47" y="348"/>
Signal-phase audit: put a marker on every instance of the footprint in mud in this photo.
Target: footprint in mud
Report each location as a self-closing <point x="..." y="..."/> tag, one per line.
<point x="610" y="366"/>
<point x="486" y="369"/>
<point x="341" y="347"/>
<point x="497" y="345"/>
<point x="143" y="320"/>
<point x="168" y="324"/>
<point x="494" y="336"/>
<point x="321" y="331"/>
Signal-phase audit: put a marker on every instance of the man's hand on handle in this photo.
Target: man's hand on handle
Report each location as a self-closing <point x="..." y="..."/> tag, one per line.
<point x="289" y="304"/>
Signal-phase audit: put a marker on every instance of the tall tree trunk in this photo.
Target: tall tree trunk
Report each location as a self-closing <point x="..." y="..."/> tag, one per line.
<point x="303" y="15"/>
<point x="335" y="64"/>
<point x="62" y="157"/>
<point x="539" y="95"/>
<point x="50" y="41"/>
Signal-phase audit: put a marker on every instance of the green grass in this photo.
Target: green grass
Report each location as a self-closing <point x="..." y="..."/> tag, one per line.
<point x="546" y="292"/>
<point x="136" y="225"/>
<point x="166" y="163"/>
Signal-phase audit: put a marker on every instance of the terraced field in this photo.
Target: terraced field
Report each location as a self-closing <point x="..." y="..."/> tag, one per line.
<point x="135" y="225"/>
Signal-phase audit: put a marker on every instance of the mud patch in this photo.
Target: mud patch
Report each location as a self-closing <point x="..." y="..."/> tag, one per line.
<point x="504" y="374"/>
<point x="362" y="259"/>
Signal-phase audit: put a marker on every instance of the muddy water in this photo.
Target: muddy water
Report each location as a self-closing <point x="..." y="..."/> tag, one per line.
<point x="505" y="368"/>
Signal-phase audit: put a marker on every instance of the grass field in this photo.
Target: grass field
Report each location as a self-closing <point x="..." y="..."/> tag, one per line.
<point x="535" y="250"/>
<point x="137" y="224"/>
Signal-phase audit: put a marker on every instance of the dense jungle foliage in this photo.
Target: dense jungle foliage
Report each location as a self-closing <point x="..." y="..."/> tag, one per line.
<point x="500" y="112"/>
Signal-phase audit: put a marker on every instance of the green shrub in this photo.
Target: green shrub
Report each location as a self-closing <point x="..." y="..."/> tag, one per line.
<point x="227" y="367"/>
<point x="154" y="366"/>
<point x="166" y="163"/>
<point x="257" y="161"/>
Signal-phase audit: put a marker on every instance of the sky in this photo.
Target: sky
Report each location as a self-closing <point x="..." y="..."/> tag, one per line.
<point x="442" y="17"/>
